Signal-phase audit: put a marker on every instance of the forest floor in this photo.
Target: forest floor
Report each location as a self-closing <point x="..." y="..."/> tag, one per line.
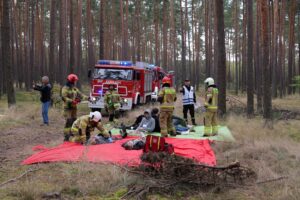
<point x="270" y="152"/>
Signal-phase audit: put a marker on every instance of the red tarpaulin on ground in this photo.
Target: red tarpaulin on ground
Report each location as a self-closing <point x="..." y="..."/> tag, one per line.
<point x="199" y="150"/>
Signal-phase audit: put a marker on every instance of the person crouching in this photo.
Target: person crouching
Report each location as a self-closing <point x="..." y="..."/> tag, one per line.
<point x="84" y="125"/>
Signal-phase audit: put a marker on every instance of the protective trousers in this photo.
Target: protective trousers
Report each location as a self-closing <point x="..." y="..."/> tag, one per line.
<point x="78" y="137"/>
<point x="166" y="125"/>
<point x="210" y="123"/>
<point x="113" y="113"/>
<point x="70" y="116"/>
<point x="190" y="108"/>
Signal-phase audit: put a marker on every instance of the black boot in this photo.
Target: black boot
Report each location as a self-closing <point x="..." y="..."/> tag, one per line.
<point x="194" y="122"/>
<point x="111" y="118"/>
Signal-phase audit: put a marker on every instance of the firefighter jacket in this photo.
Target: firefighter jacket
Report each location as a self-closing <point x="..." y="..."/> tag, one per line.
<point x="112" y="99"/>
<point x="168" y="96"/>
<point x="211" y="99"/>
<point x="189" y="97"/>
<point x="70" y="94"/>
<point x="84" y="125"/>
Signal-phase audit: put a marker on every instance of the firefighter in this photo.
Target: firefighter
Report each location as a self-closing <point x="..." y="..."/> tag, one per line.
<point x="188" y="101"/>
<point x="71" y="96"/>
<point x="167" y="98"/>
<point x="85" y="125"/>
<point x="112" y="102"/>
<point x="211" y="106"/>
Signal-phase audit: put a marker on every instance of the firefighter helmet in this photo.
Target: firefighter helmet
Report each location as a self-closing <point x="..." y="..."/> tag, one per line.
<point x="166" y="80"/>
<point x="95" y="116"/>
<point x="72" y="78"/>
<point x="209" y="81"/>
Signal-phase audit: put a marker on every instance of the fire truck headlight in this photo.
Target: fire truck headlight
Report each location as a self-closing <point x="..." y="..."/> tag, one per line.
<point x="93" y="99"/>
<point x="125" y="100"/>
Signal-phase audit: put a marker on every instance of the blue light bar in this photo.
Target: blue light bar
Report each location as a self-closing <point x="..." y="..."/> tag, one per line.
<point x="151" y="65"/>
<point x="115" y="62"/>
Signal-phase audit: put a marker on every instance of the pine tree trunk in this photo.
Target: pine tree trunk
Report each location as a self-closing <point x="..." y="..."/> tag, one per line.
<point x="6" y="55"/>
<point x="165" y="35"/>
<point x="207" y="59"/>
<point x="258" y="69"/>
<point x="236" y="27"/>
<point x="291" y="58"/>
<point x="183" y="44"/>
<point x="101" y="29"/>
<point x="221" y="76"/>
<point x="52" y="45"/>
<point x="250" y="82"/>
<point x="78" y="64"/>
<point x="91" y="53"/>
<point x="156" y="31"/>
<point x="267" y="98"/>
<point x="275" y="75"/>
<point x="62" y="42"/>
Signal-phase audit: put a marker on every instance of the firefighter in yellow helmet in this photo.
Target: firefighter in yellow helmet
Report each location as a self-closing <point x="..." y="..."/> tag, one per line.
<point x="85" y="125"/>
<point x="112" y="102"/>
<point x="167" y="98"/>
<point x="211" y="105"/>
<point x="71" y="96"/>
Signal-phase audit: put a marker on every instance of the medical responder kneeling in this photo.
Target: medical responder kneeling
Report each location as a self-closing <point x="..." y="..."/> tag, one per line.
<point x="85" y="125"/>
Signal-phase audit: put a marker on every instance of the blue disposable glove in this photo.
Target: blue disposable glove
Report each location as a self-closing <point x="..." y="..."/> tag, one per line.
<point x="110" y="140"/>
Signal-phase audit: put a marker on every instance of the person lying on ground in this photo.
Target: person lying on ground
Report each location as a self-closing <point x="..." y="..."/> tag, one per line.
<point x="135" y="144"/>
<point x="85" y="125"/>
<point x="45" y="90"/>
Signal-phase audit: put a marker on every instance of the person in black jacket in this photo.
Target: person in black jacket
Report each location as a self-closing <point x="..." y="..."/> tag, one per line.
<point x="45" y="90"/>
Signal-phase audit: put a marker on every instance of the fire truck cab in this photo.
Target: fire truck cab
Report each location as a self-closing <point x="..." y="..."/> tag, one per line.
<point x="136" y="84"/>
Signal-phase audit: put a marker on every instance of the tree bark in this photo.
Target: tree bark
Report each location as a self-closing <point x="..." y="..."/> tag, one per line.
<point x="291" y="58"/>
<point x="221" y="76"/>
<point x="101" y="29"/>
<point x="250" y="82"/>
<point x="52" y="45"/>
<point x="183" y="44"/>
<point x="165" y="34"/>
<point x="91" y="53"/>
<point x="6" y="55"/>
<point x="62" y="43"/>
<point x="267" y="98"/>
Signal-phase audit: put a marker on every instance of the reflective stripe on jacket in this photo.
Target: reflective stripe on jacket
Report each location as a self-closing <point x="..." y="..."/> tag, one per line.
<point x="188" y="97"/>
<point x="211" y="99"/>
<point x="169" y="96"/>
<point x="111" y="98"/>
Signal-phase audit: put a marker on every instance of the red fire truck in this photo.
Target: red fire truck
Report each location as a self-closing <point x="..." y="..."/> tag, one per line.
<point x="136" y="84"/>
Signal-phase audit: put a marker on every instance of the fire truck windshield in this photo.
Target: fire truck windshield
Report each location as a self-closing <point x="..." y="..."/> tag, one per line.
<point x="113" y="74"/>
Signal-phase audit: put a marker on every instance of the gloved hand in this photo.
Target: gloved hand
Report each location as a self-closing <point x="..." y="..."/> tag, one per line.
<point x="110" y="140"/>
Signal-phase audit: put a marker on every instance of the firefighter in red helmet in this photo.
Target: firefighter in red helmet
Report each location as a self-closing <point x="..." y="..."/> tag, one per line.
<point x="167" y="98"/>
<point x="71" y="97"/>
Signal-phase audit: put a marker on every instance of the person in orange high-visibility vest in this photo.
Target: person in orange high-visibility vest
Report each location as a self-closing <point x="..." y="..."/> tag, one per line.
<point x="211" y="106"/>
<point x="167" y="98"/>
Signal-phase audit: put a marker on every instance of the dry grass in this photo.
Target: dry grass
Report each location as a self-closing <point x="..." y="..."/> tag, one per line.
<point x="270" y="152"/>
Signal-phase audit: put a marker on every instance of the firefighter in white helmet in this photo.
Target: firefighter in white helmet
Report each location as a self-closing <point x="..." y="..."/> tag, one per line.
<point x="211" y="105"/>
<point x="85" y="125"/>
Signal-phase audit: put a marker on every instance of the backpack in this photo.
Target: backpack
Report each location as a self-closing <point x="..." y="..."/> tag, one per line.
<point x="157" y="144"/>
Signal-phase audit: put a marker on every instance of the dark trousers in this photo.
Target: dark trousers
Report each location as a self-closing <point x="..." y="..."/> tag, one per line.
<point x="190" y="108"/>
